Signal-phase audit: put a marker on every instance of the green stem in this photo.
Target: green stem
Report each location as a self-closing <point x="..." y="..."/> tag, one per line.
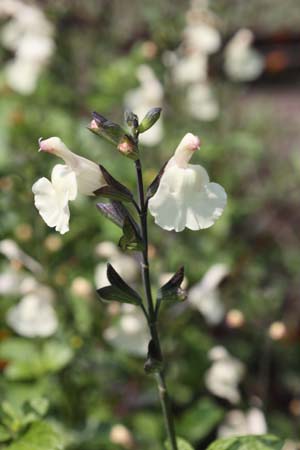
<point x="152" y="316"/>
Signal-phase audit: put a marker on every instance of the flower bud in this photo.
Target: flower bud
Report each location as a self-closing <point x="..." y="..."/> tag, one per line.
<point x="149" y="120"/>
<point x="128" y="148"/>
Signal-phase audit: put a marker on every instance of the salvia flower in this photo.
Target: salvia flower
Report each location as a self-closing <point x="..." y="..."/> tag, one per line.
<point x="78" y="175"/>
<point x="185" y="197"/>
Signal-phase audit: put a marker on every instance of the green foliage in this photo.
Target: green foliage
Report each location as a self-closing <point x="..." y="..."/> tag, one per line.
<point x="267" y="442"/>
<point x="181" y="443"/>
<point x="40" y="436"/>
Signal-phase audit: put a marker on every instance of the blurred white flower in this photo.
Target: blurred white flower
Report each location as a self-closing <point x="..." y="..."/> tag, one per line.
<point x="190" y="69"/>
<point x="185" y="196"/>
<point x="205" y="296"/>
<point x="140" y="100"/>
<point x="126" y="266"/>
<point x="52" y="198"/>
<point x="10" y="281"/>
<point x="239" y="423"/>
<point x="242" y="62"/>
<point x="13" y="252"/>
<point x="34" y="316"/>
<point x="189" y="64"/>
<point x="30" y="35"/>
<point x="130" y="334"/>
<point x="201" y="103"/>
<point x="225" y="374"/>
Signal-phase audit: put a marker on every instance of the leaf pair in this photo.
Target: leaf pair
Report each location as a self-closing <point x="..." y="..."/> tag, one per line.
<point x="117" y="213"/>
<point x="118" y="290"/>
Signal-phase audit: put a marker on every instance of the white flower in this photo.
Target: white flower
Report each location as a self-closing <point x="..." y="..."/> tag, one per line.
<point x="185" y="196"/>
<point x="205" y="295"/>
<point x="224" y="376"/>
<point x="202" y="37"/>
<point x="52" y="198"/>
<point x="13" y="252"/>
<point x="239" y="423"/>
<point x="201" y="103"/>
<point x="242" y="63"/>
<point x="140" y="100"/>
<point x="130" y="334"/>
<point x="34" y="316"/>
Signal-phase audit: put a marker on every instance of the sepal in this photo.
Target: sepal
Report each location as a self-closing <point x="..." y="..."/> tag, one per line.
<point x="171" y="291"/>
<point x="106" y="129"/>
<point x="150" y="119"/>
<point x="131" y="119"/>
<point x="118" y="290"/>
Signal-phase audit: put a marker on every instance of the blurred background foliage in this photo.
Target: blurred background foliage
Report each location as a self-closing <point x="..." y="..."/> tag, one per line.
<point x="251" y="147"/>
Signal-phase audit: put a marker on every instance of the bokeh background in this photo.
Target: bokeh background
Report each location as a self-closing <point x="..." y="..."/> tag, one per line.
<point x="226" y="71"/>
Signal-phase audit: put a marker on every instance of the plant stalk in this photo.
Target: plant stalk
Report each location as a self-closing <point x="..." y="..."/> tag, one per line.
<point x="152" y="316"/>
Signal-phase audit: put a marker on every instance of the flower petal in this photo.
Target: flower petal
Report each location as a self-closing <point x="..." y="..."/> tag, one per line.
<point x="64" y="181"/>
<point x="186" y="198"/>
<point x="52" y="207"/>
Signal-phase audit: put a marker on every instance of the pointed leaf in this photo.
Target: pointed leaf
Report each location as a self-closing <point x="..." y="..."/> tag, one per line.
<point x="114" y="211"/>
<point x="149" y="120"/>
<point x="182" y="444"/>
<point x="111" y="293"/>
<point x="113" y="188"/>
<point x="153" y="362"/>
<point x="264" y="442"/>
<point x="155" y="183"/>
<point x="116" y="281"/>
<point x="171" y="290"/>
<point x="131" y="239"/>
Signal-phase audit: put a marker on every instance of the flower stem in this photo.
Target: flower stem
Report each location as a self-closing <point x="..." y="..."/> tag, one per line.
<point x="152" y="316"/>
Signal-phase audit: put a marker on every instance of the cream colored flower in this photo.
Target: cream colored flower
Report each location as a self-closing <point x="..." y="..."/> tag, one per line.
<point x="185" y="196"/>
<point x="239" y="423"/>
<point x="79" y="175"/>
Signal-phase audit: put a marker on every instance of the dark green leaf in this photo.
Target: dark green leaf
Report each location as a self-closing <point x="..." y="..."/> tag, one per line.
<point x="4" y="434"/>
<point x="181" y="444"/>
<point x="117" y="282"/>
<point x="265" y="442"/>
<point x="111" y="293"/>
<point x="171" y="290"/>
<point x="40" y="436"/>
<point x="131" y="239"/>
<point x="113" y="188"/>
<point x="155" y="183"/>
<point x="149" y="120"/>
<point x="154" y="359"/>
<point x="200" y="420"/>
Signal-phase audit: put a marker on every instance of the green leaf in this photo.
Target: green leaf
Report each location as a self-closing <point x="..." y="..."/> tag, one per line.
<point x="171" y="290"/>
<point x="181" y="444"/>
<point x="131" y="239"/>
<point x="149" y="120"/>
<point x="4" y="434"/>
<point x="39" y="405"/>
<point x="40" y="436"/>
<point x="200" y="420"/>
<point x="264" y="442"/>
